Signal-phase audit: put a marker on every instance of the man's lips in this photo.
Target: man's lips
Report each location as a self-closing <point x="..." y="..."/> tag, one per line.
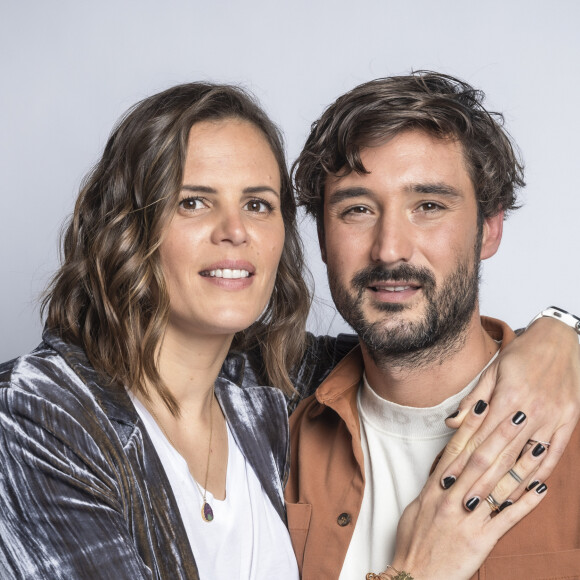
<point x="393" y="286"/>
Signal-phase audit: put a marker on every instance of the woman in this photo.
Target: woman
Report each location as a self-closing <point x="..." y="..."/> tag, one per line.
<point x="179" y="240"/>
<point x="126" y="452"/>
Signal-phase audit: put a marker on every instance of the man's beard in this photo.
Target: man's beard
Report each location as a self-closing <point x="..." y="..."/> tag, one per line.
<point x="440" y="331"/>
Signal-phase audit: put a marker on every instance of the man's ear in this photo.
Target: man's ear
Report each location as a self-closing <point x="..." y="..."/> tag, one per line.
<point x="321" y="241"/>
<point x="492" y="232"/>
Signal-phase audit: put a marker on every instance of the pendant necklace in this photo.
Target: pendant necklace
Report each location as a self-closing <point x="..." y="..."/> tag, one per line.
<point x="206" y="511"/>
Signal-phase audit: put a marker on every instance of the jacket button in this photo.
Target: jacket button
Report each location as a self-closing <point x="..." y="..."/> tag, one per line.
<point x="343" y="519"/>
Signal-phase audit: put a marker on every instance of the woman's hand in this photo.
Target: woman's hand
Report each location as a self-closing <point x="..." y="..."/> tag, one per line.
<point x="448" y="533"/>
<point x="538" y="373"/>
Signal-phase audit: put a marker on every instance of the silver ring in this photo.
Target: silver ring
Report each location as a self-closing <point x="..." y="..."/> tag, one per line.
<point x="546" y="444"/>
<point x="515" y="475"/>
<point x="492" y="502"/>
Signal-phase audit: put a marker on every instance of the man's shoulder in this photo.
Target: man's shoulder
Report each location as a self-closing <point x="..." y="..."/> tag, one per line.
<point x="335" y="397"/>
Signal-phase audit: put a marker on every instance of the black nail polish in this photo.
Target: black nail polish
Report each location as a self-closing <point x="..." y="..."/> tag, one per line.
<point x="532" y="485"/>
<point x="541" y="488"/>
<point x="518" y="418"/>
<point x="453" y="415"/>
<point x="472" y="503"/>
<point x="538" y="450"/>
<point x="448" y="481"/>
<point x="480" y="407"/>
<point x="505" y="504"/>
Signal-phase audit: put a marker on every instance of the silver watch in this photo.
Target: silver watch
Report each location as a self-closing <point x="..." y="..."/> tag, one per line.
<point x="559" y="314"/>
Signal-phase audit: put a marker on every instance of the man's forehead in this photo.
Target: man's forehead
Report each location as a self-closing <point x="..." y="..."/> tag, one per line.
<point x="424" y="160"/>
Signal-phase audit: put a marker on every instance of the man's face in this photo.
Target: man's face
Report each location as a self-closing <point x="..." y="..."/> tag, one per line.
<point x="402" y="244"/>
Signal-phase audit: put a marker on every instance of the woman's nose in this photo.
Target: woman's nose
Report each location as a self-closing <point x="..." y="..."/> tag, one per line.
<point x="230" y="228"/>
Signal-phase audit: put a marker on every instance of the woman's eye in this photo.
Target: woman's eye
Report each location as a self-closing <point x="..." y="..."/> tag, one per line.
<point x="259" y="206"/>
<point x="191" y="203"/>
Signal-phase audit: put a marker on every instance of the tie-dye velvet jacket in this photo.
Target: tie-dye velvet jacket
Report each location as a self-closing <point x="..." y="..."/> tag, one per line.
<point x="83" y="493"/>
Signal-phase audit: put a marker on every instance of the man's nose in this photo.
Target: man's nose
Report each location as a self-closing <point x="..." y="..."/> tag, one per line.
<point x="393" y="240"/>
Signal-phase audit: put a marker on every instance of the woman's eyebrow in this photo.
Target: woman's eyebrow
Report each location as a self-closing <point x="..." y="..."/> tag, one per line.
<point x="198" y="188"/>
<point x="246" y="190"/>
<point x="260" y="189"/>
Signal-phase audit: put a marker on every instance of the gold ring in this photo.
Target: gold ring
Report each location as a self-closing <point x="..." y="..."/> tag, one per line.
<point x="492" y="502"/>
<point x="546" y="444"/>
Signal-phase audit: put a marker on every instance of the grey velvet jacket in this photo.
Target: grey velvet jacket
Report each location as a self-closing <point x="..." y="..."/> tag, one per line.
<point x="83" y="493"/>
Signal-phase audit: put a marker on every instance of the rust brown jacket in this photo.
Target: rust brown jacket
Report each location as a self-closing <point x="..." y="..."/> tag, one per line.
<point x="326" y="486"/>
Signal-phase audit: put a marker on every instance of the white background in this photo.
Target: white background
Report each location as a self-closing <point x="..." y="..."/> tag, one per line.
<point x="69" y="69"/>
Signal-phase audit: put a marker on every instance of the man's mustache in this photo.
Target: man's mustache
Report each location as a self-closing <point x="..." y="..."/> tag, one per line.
<point x="404" y="273"/>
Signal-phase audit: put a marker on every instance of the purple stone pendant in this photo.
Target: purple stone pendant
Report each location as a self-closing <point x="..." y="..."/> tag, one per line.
<point x="206" y="512"/>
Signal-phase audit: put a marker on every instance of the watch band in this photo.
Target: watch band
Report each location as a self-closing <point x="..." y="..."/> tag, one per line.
<point x="559" y="314"/>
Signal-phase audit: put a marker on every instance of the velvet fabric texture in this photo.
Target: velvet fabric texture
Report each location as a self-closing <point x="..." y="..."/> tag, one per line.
<point x="83" y="493"/>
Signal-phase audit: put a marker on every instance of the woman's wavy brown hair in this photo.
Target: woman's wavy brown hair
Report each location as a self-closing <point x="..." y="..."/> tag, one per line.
<point x="109" y="295"/>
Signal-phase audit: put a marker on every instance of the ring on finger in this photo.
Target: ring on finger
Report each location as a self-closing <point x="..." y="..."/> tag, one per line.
<point x="515" y="476"/>
<point x="546" y="444"/>
<point x="492" y="502"/>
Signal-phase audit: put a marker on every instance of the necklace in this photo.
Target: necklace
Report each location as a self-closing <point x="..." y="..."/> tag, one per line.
<point x="206" y="511"/>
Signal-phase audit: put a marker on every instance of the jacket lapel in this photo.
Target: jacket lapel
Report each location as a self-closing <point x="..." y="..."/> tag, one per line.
<point x="259" y="423"/>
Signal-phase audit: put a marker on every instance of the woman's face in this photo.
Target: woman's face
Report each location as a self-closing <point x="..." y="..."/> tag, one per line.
<point x="220" y="252"/>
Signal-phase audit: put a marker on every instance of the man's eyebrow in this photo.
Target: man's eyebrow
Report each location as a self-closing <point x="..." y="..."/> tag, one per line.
<point x="434" y="189"/>
<point x="247" y="190"/>
<point x="343" y="193"/>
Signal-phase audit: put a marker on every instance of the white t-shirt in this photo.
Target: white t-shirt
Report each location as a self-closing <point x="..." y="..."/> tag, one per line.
<point x="399" y="445"/>
<point x="246" y="539"/>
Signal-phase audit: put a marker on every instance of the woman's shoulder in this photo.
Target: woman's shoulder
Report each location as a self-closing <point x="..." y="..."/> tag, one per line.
<point x="56" y="384"/>
<point x="34" y="370"/>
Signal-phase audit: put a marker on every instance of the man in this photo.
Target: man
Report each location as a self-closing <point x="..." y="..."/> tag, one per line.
<point x="409" y="179"/>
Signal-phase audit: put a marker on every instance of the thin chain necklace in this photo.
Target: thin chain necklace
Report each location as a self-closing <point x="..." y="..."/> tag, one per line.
<point x="206" y="511"/>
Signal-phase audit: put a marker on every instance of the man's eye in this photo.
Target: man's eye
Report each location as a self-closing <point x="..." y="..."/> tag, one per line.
<point x="191" y="203"/>
<point x="259" y="206"/>
<point x="430" y="206"/>
<point x="355" y="210"/>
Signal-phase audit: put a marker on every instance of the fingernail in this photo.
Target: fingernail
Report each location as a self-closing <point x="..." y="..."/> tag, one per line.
<point x="505" y="504"/>
<point x="480" y="407"/>
<point x="518" y="418"/>
<point x="538" y="450"/>
<point x="541" y="488"/>
<point x="532" y="485"/>
<point x="453" y="415"/>
<point x="448" y="481"/>
<point x="472" y="503"/>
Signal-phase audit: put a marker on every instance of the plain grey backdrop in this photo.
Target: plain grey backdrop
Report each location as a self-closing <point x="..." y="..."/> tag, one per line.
<point x="69" y="69"/>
